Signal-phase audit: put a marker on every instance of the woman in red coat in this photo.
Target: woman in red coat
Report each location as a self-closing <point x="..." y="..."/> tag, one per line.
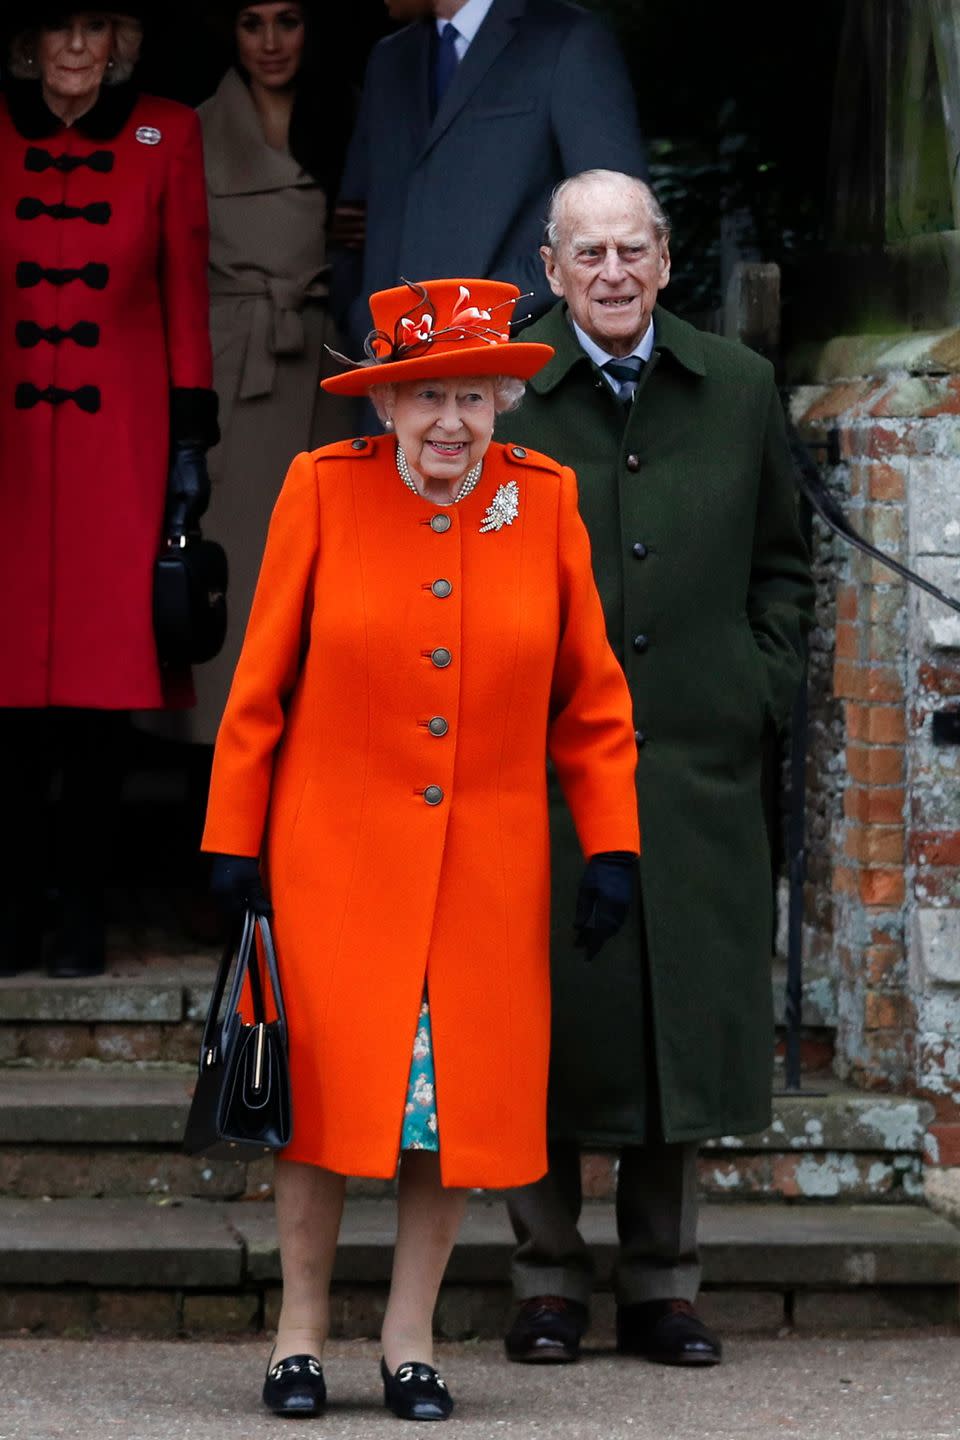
<point x="425" y="630"/>
<point x="105" y="378"/>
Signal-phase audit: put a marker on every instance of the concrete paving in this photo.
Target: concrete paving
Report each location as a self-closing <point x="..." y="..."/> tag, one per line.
<point x="895" y="1388"/>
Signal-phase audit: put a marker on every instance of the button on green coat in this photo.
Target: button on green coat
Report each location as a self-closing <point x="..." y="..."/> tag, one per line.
<point x="690" y="504"/>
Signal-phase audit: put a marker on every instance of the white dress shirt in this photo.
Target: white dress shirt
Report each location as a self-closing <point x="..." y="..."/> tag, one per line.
<point x="466" y="22"/>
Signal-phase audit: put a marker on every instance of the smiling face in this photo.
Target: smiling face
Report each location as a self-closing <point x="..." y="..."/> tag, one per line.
<point x="443" y="427"/>
<point x="72" y="57"/>
<point x="270" y="41"/>
<point x="608" y="263"/>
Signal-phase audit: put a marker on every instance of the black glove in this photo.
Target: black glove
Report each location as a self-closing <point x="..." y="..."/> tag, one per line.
<point x="236" y="885"/>
<point x="604" y="898"/>
<point x="188" y="489"/>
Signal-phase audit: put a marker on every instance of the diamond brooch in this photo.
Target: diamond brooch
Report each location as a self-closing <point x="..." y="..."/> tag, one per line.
<point x="503" y="508"/>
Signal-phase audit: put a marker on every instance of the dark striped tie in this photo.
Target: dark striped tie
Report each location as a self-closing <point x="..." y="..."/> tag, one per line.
<point x="625" y="373"/>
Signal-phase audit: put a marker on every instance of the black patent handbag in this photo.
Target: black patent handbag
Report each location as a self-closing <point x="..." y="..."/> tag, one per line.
<point x="190" y="600"/>
<point x="241" y="1106"/>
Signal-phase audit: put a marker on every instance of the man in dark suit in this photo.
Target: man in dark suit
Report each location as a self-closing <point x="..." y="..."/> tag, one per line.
<point x="468" y="119"/>
<point x="686" y="488"/>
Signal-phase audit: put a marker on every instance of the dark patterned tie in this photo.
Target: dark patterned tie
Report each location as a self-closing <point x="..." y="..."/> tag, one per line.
<point x="444" y="64"/>
<point x="625" y="373"/>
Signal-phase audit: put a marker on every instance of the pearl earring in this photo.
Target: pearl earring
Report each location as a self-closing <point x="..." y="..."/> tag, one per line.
<point x="388" y="424"/>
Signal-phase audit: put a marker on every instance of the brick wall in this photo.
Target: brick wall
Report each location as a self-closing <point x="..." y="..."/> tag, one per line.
<point x="885" y="799"/>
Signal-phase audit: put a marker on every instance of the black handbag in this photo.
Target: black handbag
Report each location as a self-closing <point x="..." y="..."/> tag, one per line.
<point x="241" y="1106"/>
<point x="190" y="600"/>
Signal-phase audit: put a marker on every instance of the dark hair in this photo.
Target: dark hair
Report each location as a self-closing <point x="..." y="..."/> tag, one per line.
<point x="323" y="102"/>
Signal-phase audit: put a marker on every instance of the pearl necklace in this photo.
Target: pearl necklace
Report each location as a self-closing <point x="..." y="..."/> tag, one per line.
<point x="470" y="483"/>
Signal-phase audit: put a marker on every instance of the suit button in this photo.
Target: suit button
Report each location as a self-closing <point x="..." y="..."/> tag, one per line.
<point x="633" y="462"/>
<point x="359" y="444"/>
<point x="441" y="657"/>
<point x="640" y="738"/>
<point x="433" y="795"/>
<point x="439" y="523"/>
<point x="640" y="550"/>
<point x="640" y="643"/>
<point x="438" y="726"/>
<point x="441" y="588"/>
<point x="518" y="452"/>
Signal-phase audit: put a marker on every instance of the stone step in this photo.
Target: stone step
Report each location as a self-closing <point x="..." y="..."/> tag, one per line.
<point x="116" y="1129"/>
<point x="150" y="1004"/>
<point x="133" y="1265"/>
<point x="133" y="1105"/>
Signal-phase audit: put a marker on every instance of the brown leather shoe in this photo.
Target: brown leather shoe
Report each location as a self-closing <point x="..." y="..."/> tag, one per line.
<point x="668" y="1331"/>
<point x="547" y="1330"/>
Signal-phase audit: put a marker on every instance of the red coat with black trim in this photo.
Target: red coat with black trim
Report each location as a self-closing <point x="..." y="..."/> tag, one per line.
<point x="104" y="356"/>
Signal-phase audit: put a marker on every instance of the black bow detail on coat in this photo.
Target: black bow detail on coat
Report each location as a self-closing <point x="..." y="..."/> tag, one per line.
<point x="29" y="273"/>
<point x="29" y="208"/>
<point x="84" y="332"/>
<point x="87" y="397"/>
<point x="37" y="160"/>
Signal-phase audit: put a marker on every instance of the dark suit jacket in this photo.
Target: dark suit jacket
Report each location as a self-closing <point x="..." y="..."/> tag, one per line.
<point x="542" y="93"/>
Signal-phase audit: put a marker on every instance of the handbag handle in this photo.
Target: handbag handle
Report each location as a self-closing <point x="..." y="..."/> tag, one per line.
<point x="273" y="972"/>
<point x="244" y="949"/>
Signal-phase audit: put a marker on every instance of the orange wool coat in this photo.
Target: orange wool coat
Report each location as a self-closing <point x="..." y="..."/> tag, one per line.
<point x="396" y="854"/>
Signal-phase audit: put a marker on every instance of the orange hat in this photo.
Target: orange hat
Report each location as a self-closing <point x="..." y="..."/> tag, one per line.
<point x="437" y="328"/>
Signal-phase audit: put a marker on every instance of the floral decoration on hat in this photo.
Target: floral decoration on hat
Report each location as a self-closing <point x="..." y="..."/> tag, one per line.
<point x="454" y="327"/>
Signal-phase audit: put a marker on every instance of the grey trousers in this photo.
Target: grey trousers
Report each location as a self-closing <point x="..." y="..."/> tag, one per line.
<point x="656" y="1206"/>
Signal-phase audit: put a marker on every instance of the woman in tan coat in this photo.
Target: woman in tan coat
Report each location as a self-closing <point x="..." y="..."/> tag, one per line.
<point x="426" y="630"/>
<point x="273" y="141"/>
<point x="274" y="135"/>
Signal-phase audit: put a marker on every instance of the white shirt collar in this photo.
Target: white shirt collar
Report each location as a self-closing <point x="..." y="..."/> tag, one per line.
<point x="643" y="349"/>
<point x="467" y="22"/>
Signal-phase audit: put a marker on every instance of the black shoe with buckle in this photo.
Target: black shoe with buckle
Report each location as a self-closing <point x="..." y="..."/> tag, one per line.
<point x="295" y="1386"/>
<point x="416" y="1392"/>
<point x="547" y="1330"/>
<point x="668" y="1331"/>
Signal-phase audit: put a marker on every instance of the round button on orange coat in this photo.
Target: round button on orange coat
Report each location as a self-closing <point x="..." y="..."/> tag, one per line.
<point x="323" y="764"/>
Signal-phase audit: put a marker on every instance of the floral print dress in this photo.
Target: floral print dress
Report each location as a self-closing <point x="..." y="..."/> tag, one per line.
<point x="420" y="1131"/>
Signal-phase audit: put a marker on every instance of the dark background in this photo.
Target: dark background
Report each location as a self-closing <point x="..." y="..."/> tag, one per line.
<point x="736" y="109"/>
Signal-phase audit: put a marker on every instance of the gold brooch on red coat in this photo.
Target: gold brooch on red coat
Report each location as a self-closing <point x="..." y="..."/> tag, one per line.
<point x="503" y="508"/>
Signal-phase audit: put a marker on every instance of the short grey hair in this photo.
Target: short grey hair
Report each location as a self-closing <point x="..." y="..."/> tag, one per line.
<point x="658" y="218"/>
<point x="508" y="391"/>
<point x="124" y="53"/>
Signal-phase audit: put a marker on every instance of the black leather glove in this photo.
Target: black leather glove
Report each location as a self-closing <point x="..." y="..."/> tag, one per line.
<point x="188" y="490"/>
<point x="236" y="885"/>
<point x="604" y="898"/>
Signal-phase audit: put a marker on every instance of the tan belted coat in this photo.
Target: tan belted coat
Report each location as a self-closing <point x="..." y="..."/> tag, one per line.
<point x="268" y="324"/>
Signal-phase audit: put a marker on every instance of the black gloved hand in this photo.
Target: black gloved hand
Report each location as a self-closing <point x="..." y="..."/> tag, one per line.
<point x="604" y="898"/>
<point x="236" y="885"/>
<point x="188" y="489"/>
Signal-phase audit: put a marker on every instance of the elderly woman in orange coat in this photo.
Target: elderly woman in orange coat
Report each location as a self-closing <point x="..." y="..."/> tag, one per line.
<point x="425" y="633"/>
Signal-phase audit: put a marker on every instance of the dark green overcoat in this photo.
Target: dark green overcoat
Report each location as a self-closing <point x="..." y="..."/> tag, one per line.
<point x="689" y="500"/>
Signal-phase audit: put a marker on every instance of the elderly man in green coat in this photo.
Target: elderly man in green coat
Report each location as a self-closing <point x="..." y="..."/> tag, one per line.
<point x="677" y="438"/>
